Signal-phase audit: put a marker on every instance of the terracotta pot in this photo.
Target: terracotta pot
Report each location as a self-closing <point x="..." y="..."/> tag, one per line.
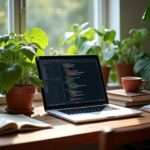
<point x="105" y="72"/>
<point x="124" y="70"/>
<point x="19" y="99"/>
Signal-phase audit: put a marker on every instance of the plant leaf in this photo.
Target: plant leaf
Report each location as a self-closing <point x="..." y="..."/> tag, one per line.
<point x="80" y="41"/>
<point x="99" y="33"/>
<point x="94" y="50"/>
<point x="9" y="75"/>
<point x="29" y="51"/>
<point x="36" y="81"/>
<point x="109" y="35"/>
<point x="4" y="38"/>
<point x="146" y="15"/>
<point x="37" y="35"/>
<point x="88" y="33"/>
<point x="84" y="25"/>
<point x="72" y="50"/>
<point x="108" y="52"/>
<point x="69" y="37"/>
<point x="140" y="65"/>
<point x="86" y="46"/>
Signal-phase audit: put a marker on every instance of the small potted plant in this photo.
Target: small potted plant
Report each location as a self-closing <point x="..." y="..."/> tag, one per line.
<point x="18" y="75"/>
<point x="82" y="39"/>
<point x="128" y="50"/>
<point x="108" y="50"/>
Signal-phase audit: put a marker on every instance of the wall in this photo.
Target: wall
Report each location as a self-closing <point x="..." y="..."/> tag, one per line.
<point x="131" y="12"/>
<point x="126" y="14"/>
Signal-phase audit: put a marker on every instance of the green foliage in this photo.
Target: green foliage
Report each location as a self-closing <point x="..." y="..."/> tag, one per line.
<point x="146" y="15"/>
<point x="131" y="46"/>
<point x="17" y="58"/>
<point x="142" y="67"/>
<point x="83" y="39"/>
<point x="79" y="40"/>
<point x="107" y="44"/>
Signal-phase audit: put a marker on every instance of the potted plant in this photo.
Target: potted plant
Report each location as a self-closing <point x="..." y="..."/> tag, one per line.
<point x="128" y="51"/>
<point x="142" y="67"/>
<point x="18" y="75"/>
<point x="108" y="49"/>
<point x="82" y="39"/>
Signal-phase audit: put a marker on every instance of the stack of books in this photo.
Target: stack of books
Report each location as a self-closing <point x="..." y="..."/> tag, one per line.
<point x="122" y="98"/>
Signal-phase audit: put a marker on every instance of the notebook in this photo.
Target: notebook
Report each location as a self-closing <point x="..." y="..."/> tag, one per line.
<point x="73" y="89"/>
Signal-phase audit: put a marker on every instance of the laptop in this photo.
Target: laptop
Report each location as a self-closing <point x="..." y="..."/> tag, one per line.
<point x="73" y="89"/>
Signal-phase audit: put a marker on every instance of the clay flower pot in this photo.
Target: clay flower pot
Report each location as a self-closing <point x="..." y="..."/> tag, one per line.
<point x="105" y="72"/>
<point x="132" y="84"/>
<point x="19" y="99"/>
<point x="124" y="70"/>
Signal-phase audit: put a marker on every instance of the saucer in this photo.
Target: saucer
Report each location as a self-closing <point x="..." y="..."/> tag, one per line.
<point x="27" y="112"/>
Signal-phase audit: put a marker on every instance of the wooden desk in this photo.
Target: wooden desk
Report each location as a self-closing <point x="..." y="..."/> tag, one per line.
<point x="65" y="135"/>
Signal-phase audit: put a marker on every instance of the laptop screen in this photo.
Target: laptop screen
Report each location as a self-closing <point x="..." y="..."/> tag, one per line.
<point x="71" y="81"/>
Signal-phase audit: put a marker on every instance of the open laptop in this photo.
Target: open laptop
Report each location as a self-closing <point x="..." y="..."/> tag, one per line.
<point x="74" y="89"/>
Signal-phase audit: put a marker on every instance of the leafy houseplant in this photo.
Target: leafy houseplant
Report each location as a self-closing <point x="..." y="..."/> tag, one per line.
<point x="18" y="75"/>
<point x="82" y="39"/>
<point x="128" y="51"/>
<point x="108" y="50"/>
<point x="79" y="40"/>
<point x="142" y="67"/>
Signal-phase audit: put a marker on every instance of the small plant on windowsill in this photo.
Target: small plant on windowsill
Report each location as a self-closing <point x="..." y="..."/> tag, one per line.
<point x="82" y="39"/>
<point x="18" y="75"/>
<point x="108" y="51"/>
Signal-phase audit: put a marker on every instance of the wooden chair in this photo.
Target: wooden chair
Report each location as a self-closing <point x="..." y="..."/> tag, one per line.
<point x="112" y="139"/>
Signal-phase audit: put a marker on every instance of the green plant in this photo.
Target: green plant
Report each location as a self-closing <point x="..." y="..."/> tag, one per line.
<point x="146" y="15"/>
<point x="107" y="44"/>
<point x="130" y="47"/>
<point x="142" y="67"/>
<point x="80" y="39"/>
<point x="17" y="58"/>
<point x="83" y="39"/>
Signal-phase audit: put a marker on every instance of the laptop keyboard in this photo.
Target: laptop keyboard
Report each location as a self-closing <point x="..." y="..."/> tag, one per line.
<point x="87" y="109"/>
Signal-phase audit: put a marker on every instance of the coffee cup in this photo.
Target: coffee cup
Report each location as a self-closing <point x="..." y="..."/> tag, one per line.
<point x="132" y="84"/>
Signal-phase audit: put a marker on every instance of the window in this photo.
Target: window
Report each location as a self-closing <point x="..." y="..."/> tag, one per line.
<point x="3" y="16"/>
<point x="56" y="16"/>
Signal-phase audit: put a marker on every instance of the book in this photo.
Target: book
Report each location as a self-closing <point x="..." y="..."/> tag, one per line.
<point x="121" y="95"/>
<point x="128" y="103"/>
<point x="20" y="123"/>
<point x="146" y="108"/>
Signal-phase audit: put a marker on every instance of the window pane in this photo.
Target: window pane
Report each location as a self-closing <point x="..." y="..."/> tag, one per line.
<point x="56" y="16"/>
<point x="3" y="16"/>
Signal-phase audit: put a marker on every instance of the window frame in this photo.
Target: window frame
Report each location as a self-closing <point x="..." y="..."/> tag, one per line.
<point x="17" y="14"/>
